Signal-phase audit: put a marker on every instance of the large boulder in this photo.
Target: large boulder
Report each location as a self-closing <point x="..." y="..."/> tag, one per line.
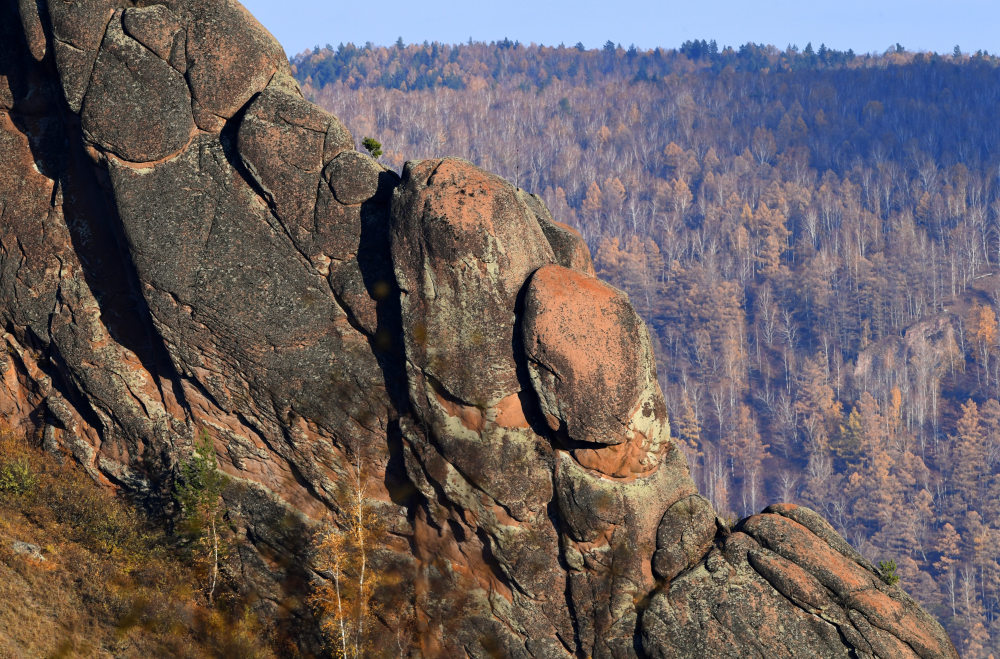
<point x="570" y="318"/>
<point x="137" y="106"/>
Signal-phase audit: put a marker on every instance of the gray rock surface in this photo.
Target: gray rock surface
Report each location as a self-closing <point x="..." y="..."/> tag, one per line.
<point x="33" y="552"/>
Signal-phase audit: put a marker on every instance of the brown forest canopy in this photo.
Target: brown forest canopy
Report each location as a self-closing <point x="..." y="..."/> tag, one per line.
<point x="814" y="237"/>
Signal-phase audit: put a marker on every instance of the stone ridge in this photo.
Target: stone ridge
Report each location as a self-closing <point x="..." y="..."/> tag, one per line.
<point x="187" y="245"/>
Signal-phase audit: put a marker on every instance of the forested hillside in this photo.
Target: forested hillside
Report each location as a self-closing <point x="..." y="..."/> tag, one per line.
<point x="814" y="237"/>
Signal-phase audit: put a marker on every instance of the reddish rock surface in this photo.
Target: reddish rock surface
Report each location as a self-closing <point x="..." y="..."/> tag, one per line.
<point x="569" y="319"/>
<point x="187" y="245"/>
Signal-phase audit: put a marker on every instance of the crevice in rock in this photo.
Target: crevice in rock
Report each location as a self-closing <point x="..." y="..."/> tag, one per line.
<point x="851" y="650"/>
<point x="816" y="613"/>
<point x="53" y="365"/>
<point x="492" y="563"/>
<point x="552" y="508"/>
<point x="374" y="259"/>
<point x="47" y="26"/>
<point x="888" y="632"/>
<point x="302" y="481"/>
<point x="441" y="391"/>
<point x="94" y="227"/>
<point x="352" y="318"/>
<point x="108" y="269"/>
<point x="640" y="610"/>
<point x="401" y="490"/>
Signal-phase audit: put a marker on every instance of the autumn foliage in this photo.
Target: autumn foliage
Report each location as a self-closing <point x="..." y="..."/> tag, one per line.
<point x="813" y="237"/>
<point x="101" y="578"/>
<point x="343" y="597"/>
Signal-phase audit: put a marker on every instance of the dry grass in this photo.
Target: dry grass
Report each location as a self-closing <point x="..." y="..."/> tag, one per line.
<point x="109" y="582"/>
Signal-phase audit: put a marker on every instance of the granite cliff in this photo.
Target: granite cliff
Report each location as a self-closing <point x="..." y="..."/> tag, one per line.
<point x="187" y="244"/>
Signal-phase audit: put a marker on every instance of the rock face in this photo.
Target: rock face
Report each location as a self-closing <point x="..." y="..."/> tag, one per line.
<point x="187" y="245"/>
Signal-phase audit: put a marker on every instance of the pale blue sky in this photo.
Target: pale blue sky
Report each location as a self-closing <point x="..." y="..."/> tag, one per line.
<point x="864" y="25"/>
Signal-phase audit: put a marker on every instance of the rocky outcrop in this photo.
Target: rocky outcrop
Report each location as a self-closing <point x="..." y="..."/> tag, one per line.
<point x="784" y="584"/>
<point x="187" y="245"/>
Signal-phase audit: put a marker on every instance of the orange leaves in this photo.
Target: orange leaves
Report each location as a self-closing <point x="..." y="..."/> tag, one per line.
<point x="983" y="325"/>
<point x="947" y="546"/>
<point x="592" y="202"/>
<point x="614" y="195"/>
<point x="343" y="549"/>
<point x="689" y="428"/>
<point x="343" y="602"/>
<point x="680" y="196"/>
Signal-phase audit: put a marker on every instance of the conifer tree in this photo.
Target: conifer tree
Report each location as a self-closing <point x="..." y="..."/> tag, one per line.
<point x="198" y="491"/>
<point x="968" y="457"/>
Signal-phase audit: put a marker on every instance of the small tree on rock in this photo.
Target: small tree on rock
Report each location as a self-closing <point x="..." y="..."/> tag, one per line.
<point x="887" y="571"/>
<point x="198" y="492"/>
<point x="373" y="146"/>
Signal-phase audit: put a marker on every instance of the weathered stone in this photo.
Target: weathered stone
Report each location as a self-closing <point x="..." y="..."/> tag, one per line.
<point x="80" y="23"/>
<point x="230" y="58"/>
<point x="463" y="244"/>
<point x="6" y="96"/>
<point x="791" y="581"/>
<point x="137" y="105"/>
<point x="854" y="585"/>
<point x="683" y="536"/>
<point x="64" y="288"/>
<point x="223" y="246"/>
<point x="732" y="612"/>
<point x="31" y="22"/>
<point x="793" y="602"/>
<point x="280" y="142"/>
<point x="795" y="542"/>
<point x="883" y="644"/>
<point x="567" y="243"/>
<point x="821" y="528"/>
<point x="353" y="177"/>
<point x="569" y="317"/>
<point x="155" y="27"/>
<point x="609" y="528"/>
<point x="78" y="29"/>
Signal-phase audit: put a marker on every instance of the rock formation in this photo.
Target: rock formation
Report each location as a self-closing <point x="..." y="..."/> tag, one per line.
<point x="187" y="244"/>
